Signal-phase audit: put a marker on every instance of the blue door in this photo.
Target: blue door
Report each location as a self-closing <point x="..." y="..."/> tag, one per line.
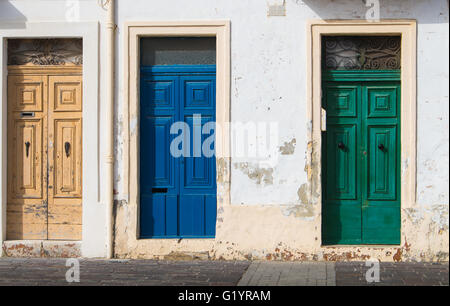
<point x="177" y="191"/>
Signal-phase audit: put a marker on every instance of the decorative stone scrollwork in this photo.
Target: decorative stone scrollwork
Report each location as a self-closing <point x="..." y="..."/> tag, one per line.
<point x="45" y="51"/>
<point x="361" y="52"/>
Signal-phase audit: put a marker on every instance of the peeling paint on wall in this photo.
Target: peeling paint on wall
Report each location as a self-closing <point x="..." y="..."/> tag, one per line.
<point x="260" y="228"/>
<point x="133" y="126"/>
<point x="288" y="148"/>
<point x="255" y="173"/>
<point x="276" y="9"/>
<point x="45" y="249"/>
<point x="304" y="210"/>
<point x="222" y="170"/>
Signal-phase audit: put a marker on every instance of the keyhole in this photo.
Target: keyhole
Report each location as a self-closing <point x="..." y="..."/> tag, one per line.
<point x="27" y="147"/>
<point x="67" y="148"/>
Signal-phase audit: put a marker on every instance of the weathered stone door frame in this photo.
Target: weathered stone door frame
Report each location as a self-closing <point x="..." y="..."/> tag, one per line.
<point x="94" y="236"/>
<point x="129" y="227"/>
<point x="407" y="30"/>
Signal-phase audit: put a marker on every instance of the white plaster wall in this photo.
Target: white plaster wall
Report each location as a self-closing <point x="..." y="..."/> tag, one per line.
<point x="269" y="84"/>
<point x="269" y="71"/>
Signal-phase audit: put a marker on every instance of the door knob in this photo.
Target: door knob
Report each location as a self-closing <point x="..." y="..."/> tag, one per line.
<point x="67" y="148"/>
<point x="341" y="145"/>
<point x="381" y="147"/>
<point x="27" y="147"/>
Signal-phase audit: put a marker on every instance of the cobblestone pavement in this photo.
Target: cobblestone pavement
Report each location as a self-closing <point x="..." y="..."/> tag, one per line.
<point x="394" y="274"/>
<point x="15" y="271"/>
<point x="122" y="272"/>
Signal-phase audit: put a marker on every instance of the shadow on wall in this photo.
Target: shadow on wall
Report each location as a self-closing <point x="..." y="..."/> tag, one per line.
<point x="10" y="16"/>
<point x="425" y="11"/>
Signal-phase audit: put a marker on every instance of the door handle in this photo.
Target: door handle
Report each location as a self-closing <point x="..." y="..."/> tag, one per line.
<point x="381" y="147"/>
<point x="341" y="145"/>
<point x="27" y="147"/>
<point x="67" y="148"/>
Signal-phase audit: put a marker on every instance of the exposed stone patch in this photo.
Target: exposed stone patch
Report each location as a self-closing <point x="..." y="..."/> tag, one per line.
<point x="304" y="210"/>
<point x="256" y="173"/>
<point x="442" y="257"/>
<point x="276" y="9"/>
<point x="22" y="249"/>
<point x="414" y="215"/>
<point x="405" y="166"/>
<point x="222" y="170"/>
<point x="187" y="256"/>
<point x="36" y="249"/>
<point x="440" y="216"/>
<point x="120" y="225"/>
<point x="347" y="256"/>
<point x="52" y="249"/>
<point x="288" y="148"/>
<point x="303" y="194"/>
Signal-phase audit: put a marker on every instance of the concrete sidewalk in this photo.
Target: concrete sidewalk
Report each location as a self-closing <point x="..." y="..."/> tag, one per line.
<point x="289" y="274"/>
<point x="52" y="272"/>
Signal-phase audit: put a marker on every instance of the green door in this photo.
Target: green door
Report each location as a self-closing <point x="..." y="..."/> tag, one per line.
<point x="361" y="158"/>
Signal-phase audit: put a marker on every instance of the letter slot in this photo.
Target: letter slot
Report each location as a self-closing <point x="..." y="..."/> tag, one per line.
<point x="27" y="114"/>
<point x="159" y="190"/>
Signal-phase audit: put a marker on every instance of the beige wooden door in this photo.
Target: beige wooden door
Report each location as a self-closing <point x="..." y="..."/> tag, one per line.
<point x="44" y="157"/>
<point x="27" y="157"/>
<point x="64" y="162"/>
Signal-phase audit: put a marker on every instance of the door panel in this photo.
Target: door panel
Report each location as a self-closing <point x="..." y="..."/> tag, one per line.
<point x="192" y="209"/>
<point x="341" y="100"/>
<point x="159" y="94"/>
<point x="198" y="216"/>
<point x="65" y="158"/>
<point x="361" y="175"/>
<point x="199" y="170"/>
<point x="158" y="114"/>
<point x="26" y="93"/>
<point x="381" y="224"/>
<point x="153" y="215"/>
<point x="341" y="140"/>
<point x="199" y="174"/>
<point x="199" y="93"/>
<point x="26" y="156"/>
<point x="381" y="197"/>
<point x="67" y="155"/>
<point x="382" y="162"/>
<point x="198" y="179"/>
<point x="158" y="168"/>
<point x="27" y="180"/>
<point x="178" y="193"/>
<point x="66" y="93"/>
<point x="210" y="215"/>
<point x="382" y="100"/>
<point x="343" y="223"/>
<point x="342" y="200"/>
